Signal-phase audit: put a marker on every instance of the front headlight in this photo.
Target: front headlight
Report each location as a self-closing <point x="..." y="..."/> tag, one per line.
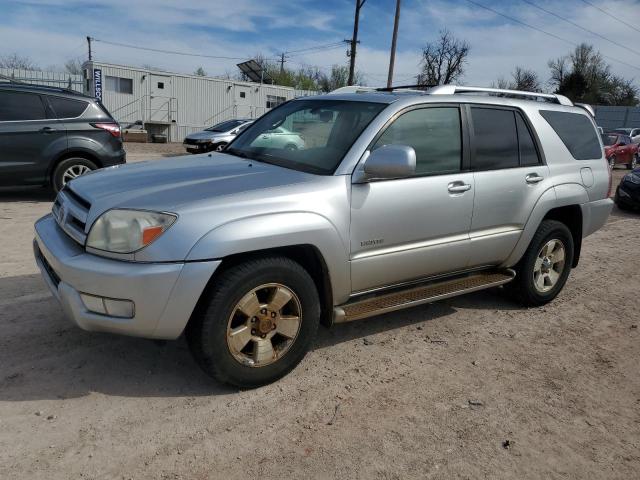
<point x="126" y="231"/>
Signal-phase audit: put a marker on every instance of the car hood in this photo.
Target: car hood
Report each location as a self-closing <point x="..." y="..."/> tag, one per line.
<point x="171" y="184"/>
<point x="204" y="135"/>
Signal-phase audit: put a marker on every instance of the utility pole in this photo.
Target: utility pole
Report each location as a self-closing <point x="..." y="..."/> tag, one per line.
<point x="89" y="44"/>
<point x="354" y="41"/>
<point x="282" y="60"/>
<point x="392" y="57"/>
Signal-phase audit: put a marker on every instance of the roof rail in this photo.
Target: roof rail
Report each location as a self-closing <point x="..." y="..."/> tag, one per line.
<point x="588" y="108"/>
<point x="353" y="89"/>
<point x="453" y="89"/>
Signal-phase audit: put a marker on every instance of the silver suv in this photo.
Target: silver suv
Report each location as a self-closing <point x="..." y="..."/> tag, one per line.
<point x="397" y="199"/>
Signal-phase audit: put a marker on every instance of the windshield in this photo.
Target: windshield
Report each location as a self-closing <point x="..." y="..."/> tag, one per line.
<point x="307" y="135"/>
<point x="225" y="126"/>
<point x="609" y="140"/>
<point x="626" y="131"/>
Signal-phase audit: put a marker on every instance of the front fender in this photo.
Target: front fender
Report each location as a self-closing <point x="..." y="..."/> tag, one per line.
<point x="278" y="230"/>
<point x="558" y="196"/>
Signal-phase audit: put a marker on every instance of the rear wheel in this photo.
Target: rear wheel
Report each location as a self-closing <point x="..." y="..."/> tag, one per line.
<point x="612" y="162"/>
<point x="70" y="169"/>
<point x="634" y="162"/>
<point x="256" y="323"/>
<point x="545" y="266"/>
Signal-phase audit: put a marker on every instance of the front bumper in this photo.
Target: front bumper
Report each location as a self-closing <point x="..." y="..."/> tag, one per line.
<point x="628" y="194"/>
<point x="164" y="294"/>
<point x="198" y="147"/>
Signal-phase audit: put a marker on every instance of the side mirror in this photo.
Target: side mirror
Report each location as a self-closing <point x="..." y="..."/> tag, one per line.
<point x="390" y="161"/>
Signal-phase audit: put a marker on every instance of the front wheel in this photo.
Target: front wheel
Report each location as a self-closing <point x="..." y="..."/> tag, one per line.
<point x="69" y="169"/>
<point x="219" y="147"/>
<point x="634" y="162"/>
<point x="545" y="266"/>
<point x="256" y="322"/>
<point x="612" y="162"/>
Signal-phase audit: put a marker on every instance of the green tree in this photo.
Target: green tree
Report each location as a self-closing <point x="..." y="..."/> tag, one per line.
<point x="200" y="72"/>
<point x="584" y="76"/>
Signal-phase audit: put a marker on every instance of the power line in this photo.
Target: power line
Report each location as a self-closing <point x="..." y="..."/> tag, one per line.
<point x="544" y="31"/>
<point x="317" y="47"/>
<point x="581" y="27"/>
<point x="610" y="15"/>
<point x="172" y="52"/>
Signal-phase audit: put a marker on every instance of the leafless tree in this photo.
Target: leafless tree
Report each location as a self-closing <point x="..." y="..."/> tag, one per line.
<point x="16" y="61"/>
<point x="443" y="61"/>
<point x="73" y="66"/>
<point x="200" y="72"/>
<point x="526" y="80"/>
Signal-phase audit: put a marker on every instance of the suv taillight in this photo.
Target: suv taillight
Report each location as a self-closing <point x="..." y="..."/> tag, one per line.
<point x="112" y="128"/>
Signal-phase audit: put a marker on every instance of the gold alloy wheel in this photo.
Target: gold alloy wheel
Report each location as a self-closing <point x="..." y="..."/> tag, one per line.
<point x="264" y="325"/>
<point x="549" y="265"/>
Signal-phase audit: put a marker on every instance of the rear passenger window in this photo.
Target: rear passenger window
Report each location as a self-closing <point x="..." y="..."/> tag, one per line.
<point x="495" y="139"/>
<point x="67" y="107"/>
<point x="434" y="133"/>
<point x="576" y="132"/>
<point x="528" y="152"/>
<point x="15" y="106"/>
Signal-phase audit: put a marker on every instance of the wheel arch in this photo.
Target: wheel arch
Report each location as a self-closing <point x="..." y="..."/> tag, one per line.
<point x="308" y="256"/>
<point x="71" y="154"/>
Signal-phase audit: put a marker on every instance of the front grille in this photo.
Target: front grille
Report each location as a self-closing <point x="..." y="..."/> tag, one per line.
<point x="191" y="141"/>
<point x="48" y="268"/>
<point x="70" y="211"/>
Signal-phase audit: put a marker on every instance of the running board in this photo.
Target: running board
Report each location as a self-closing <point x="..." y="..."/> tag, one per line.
<point x="426" y="293"/>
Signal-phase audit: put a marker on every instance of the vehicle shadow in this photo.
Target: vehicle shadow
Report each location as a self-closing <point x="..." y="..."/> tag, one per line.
<point x="27" y="194"/>
<point x="617" y="213"/>
<point x="44" y="356"/>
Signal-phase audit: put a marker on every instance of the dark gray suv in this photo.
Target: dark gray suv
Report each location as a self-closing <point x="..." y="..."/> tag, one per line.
<point x="49" y="136"/>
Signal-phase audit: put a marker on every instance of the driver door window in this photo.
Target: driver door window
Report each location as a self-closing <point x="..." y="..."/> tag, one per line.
<point x="434" y="133"/>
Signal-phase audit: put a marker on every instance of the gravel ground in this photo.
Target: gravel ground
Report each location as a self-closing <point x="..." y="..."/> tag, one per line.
<point x="472" y="387"/>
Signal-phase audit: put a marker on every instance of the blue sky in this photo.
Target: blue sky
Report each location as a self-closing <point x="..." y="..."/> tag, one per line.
<point x="52" y="31"/>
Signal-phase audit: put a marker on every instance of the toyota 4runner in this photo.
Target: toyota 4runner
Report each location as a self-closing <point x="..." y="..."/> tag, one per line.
<point x="398" y="198"/>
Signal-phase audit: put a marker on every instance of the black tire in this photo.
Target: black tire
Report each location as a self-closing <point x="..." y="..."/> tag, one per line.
<point x="612" y="162"/>
<point x="634" y="162"/>
<point x="522" y="288"/>
<point x="291" y="146"/>
<point x="207" y="331"/>
<point x="58" y="179"/>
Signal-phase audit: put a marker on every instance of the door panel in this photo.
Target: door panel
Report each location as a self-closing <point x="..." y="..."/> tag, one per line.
<point x="160" y="99"/>
<point x="503" y="202"/>
<point x="509" y="180"/>
<point x="28" y="141"/>
<point x="408" y="228"/>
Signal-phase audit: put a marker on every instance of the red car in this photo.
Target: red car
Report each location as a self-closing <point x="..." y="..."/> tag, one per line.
<point x="620" y="150"/>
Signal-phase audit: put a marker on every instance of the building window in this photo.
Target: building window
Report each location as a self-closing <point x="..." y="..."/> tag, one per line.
<point x="161" y="85"/>
<point x="243" y="94"/>
<point x="119" y="85"/>
<point x="274" y="101"/>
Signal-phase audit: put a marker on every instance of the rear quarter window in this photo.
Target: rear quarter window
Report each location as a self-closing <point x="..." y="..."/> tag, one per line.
<point x="67" y="107"/>
<point x="576" y="132"/>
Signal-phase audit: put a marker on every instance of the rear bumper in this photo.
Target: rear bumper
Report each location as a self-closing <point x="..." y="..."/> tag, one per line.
<point x="595" y="215"/>
<point x="117" y="157"/>
<point x="164" y="294"/>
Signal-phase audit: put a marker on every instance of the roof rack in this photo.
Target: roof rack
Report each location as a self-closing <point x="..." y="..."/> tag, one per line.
<point x="6" y="80"/>
<point x="453" y="89"/>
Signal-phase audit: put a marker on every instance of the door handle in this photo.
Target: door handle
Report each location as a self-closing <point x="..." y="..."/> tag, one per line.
<point x="458" y="187"/>
<point x="533" y="178"/>
<point x="47" y="130"/>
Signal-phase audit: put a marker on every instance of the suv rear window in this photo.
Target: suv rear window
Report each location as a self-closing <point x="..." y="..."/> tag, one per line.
<point x="67" y="107"/>
<point x="576" y="132"/>
<point x="16" y="106"/>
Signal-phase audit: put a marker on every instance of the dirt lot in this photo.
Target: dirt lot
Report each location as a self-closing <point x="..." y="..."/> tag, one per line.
<point x="473" y="387"/>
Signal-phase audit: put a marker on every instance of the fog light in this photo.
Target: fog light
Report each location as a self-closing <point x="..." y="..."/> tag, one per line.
<point x="108" y="306"/>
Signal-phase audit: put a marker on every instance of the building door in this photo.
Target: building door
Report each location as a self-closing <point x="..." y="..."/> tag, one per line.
<point x="159" y="109"/>
<point x="243" y="102"/>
